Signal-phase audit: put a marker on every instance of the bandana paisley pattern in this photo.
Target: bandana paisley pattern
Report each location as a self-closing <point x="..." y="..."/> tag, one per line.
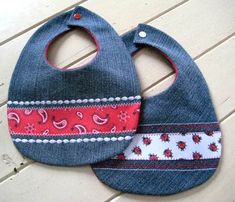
<point x="73" y="121"/>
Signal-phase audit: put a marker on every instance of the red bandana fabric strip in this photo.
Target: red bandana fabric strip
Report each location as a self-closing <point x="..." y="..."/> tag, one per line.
<point x="73" y="121"/>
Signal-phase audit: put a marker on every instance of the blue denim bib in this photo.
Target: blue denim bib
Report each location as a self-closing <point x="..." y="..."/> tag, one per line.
<point x="178" y="140"/>
<point x="78" y="116"/>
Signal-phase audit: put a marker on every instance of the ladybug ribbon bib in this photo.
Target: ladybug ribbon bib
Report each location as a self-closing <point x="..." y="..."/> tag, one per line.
<point x="178" y="140"/>
<point x="78" y="116"/>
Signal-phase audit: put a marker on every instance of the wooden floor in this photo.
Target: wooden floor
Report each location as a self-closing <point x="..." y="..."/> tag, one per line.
<point x="205" y="28"/>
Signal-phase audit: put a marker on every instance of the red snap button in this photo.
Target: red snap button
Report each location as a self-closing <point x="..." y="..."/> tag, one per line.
<point x="77" y="16"/>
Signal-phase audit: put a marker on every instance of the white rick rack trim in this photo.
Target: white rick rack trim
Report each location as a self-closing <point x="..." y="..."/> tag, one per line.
<point x="65" y="141"/>
<point x="173" y="146"/>
<point x="79" y="101"/>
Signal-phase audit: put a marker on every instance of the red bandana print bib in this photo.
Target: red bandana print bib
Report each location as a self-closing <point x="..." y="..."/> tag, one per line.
<point x="78" y="116"/>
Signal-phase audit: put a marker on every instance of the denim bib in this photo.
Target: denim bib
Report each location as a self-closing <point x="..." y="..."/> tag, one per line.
<point x="178" y="140"/>
<point x="78" y="116"/>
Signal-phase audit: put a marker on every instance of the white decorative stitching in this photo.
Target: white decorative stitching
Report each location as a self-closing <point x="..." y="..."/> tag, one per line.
<point x="65" y="134"/>
<point x="65" y="141"/>
<point x="73" y="107"/>
<point x="79" y="101"/>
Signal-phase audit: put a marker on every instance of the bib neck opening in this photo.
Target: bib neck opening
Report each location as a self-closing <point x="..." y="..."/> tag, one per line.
<point x="55" y="45"/>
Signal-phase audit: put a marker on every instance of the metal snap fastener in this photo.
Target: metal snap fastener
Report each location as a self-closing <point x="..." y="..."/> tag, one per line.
<point x="77" y="16"/>
<point x="142" y="34"/>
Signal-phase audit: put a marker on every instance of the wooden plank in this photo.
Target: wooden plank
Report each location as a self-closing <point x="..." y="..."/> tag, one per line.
<point x="218" y="188"/>
<point x="70" y="50"/>
<point x="39" y="182"/>
<point x="18" y="16"/>
<point x="218" y="68"/>
<point x="10" y="158"/>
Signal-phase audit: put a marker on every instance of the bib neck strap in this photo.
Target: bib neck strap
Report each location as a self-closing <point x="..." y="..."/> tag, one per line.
<point x="188" y="97"/>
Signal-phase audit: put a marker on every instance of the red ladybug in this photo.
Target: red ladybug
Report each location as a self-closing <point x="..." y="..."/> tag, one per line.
<point x="168" y="153"/>
<point x="197" y="156"/>
<point x="197" y="139"/>
<point x="209" y="133"/>
<point x="165" y="137"/>
<point x="137" y="150"/>
<point x="153" y="157"/>
<point x="181" y="145"/>
<point x="213" y="147"/>
<point x="147" y="141"/>
<point x="121" y="156"/>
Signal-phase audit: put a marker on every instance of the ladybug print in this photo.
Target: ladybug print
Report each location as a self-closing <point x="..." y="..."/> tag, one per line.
<point x="168" y="153"/>
<point x="165" y="137"/>
<point x="197" y="139"/>
<point x="210" y="133"/>
<point x="181" y="145"/>
<point x="197" y="156"/>
<point x="220" y="140"/>
<point x="213" y="147"/>
<point x="121" y="156"/>
<point x="153" y="157"/>
<point x="147" y="141"/>
<point x="137" y="150"/>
